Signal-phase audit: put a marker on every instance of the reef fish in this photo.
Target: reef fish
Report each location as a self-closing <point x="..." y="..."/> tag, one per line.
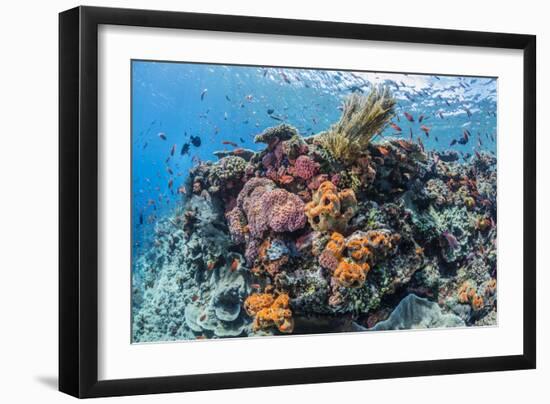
<point x="230" y="143"/>
<point x="184" y="149"/>
<point x="203" y="94"/>
<point x="425" y="129"/>
<point x="395" y="127"/>
<point x="163" y="136"/>
<point x="196" y="141"/>
<point x="408" y="116"/>
<point x="173" y="150"/>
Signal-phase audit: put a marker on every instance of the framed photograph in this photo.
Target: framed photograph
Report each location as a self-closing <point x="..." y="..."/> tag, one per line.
<point x="251" y="201"/>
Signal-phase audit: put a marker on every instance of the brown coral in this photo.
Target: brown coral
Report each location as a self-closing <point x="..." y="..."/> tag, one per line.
<point x="330" y="209"/>
<point x="270" y="311"/>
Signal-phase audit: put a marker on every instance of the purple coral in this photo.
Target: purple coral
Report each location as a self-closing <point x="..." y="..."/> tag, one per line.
<point x="327" y="260"/>
<point x="305" y="167"/>
<point x="267" y="207"/>
<point x="282" y="210"/>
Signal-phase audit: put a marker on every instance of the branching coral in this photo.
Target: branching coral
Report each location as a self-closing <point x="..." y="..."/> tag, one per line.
<point x="330" y="209"/>
<point x="362" y="119"/>
<point x="269" y="311"/>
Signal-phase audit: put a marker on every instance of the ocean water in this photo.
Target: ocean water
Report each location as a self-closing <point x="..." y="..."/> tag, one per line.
<point x="230" y="103"/>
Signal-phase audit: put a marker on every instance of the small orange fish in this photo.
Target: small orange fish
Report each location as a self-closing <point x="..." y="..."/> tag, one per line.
<point x="170" y="183"/>
<point x="286" y="179"/>
<point x="408" y="116"/>
<point x="182" y="190"/>
<point x="405" y="145"/>
<point x="383" y="150"/>
<point x="227" y="142"/>
<point x="200" y="337"/>
<point x="425" y="129"/>
<point x="194" y="298"/>
<point x="234" y="265"/>
<point x="238" y="150"/>
<point x="395" y="127"/>
<point x="210" y="265"/>
<point x="256" y="286"/>
<point x="203" y="317"/>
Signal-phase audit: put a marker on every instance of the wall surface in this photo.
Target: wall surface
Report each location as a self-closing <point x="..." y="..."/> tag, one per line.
<point x="28" y="214"/>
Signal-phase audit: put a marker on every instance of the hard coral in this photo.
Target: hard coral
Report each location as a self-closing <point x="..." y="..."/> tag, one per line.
<point x="305" y="167"/>
<point x="273" y="135"/>
<point x="330" y="209"/>
<point x="269" y="208"/>
<point x="269" y="311"/>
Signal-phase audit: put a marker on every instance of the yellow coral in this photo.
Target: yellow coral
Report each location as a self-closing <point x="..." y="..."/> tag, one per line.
<point x="330" y="209"/>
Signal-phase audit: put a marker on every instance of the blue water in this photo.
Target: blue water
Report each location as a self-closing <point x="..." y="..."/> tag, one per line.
<point x="234" y="103"/>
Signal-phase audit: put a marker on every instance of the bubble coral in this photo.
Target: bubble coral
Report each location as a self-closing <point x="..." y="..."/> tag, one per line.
<point x="330" y="209"/>
<point x="269" y="311"/>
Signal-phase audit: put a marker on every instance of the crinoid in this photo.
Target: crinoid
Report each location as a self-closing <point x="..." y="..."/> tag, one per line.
<point x="363" y="118"/>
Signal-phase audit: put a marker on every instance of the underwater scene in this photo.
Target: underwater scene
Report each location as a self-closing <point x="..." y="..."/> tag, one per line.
<point x="271" y="201"/>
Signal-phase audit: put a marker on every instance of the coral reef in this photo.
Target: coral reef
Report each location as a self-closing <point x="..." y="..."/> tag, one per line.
<point x="341" y="230"/>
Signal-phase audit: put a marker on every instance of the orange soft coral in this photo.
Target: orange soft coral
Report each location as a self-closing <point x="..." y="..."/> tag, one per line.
<point x="349" y="274"/>
<point x="350" y="259"/>
<point x="359" y="249"/>
<point x="270" y="312"/>
<point x="256" y="302"/>
<point x="467" y="294"/>
<point x="330" y="209"/>
<point x="336" y="244"/>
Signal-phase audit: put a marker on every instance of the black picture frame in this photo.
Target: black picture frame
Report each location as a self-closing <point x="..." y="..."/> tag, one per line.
<point x="78" y="201"/>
